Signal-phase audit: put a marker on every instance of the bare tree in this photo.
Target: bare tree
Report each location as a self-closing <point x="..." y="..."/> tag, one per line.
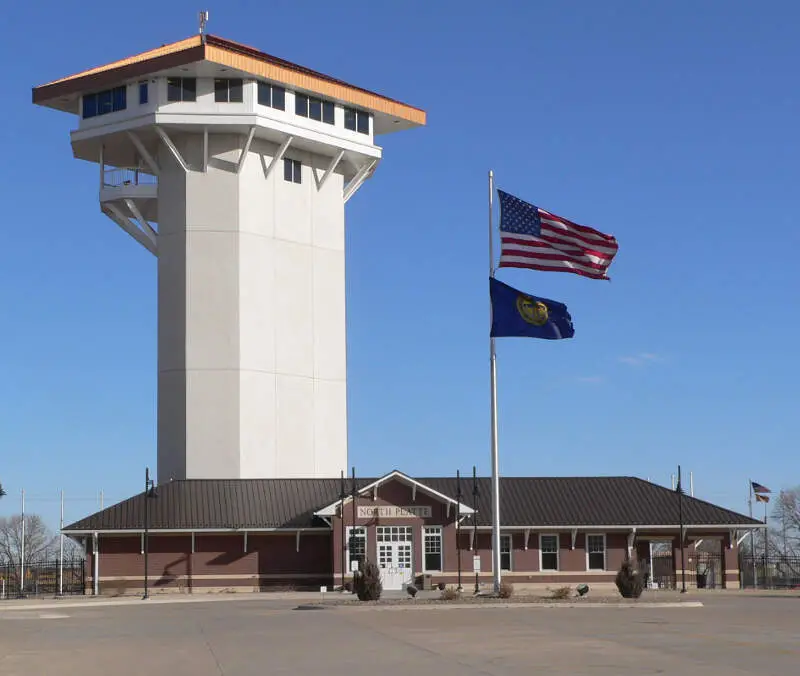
<point x="785" y="532"/>
<point x="40" y="543"/>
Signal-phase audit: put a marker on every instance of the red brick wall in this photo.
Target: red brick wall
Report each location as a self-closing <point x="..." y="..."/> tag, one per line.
<point x="219" y="560"/>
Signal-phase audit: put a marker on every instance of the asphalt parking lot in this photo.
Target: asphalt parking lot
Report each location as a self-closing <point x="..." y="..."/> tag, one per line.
<point x="731" y="635"/>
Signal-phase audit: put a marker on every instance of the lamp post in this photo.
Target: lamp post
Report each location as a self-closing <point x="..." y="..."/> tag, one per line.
<point x="475" y="524"/>
<point x="458" y="526"/>
<point x="682" y="536"/>
<point x="149" y="492"/>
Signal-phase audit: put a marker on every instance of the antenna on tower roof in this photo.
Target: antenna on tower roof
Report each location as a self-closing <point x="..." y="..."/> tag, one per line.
<point x="203" y="22"/>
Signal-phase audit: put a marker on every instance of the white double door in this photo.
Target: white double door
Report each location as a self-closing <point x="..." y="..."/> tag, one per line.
<point x="395" y="556"/>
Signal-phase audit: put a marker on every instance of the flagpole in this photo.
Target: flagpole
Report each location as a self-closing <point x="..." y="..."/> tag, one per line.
<point x="493" y="372"/>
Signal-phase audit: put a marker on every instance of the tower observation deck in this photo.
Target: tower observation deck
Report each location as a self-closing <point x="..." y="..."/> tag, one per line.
<point x="233" y="168"/>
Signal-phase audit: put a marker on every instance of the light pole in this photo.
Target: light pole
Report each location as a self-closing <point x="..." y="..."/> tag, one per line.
<point x="149" y="492"/>
<point x="475" y="524"/>
<point x="458" y="526"/>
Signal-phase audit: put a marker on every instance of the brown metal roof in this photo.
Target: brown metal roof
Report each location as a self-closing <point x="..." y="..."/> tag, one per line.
<point x="227" y="53"/>
<point x="525" y="501"/>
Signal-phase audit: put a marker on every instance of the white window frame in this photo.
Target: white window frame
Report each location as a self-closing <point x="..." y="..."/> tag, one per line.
<point x="348" y="533"/>
<point x="557" y="536"/>
<point x="605" y="550"/>
<point x="510" y="538"/>
<point x="425" y="530"/>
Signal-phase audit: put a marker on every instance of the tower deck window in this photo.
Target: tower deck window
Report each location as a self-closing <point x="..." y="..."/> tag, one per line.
<point x="181" y="89"/>
<point x="104" y="102"/>
<point x="227" y="90"/>
<point x="356" y="120"/>
<point x="292" y="170"/>
<point x="143" y="93"/>
<point x="315" y="109"/>
<point x="271" y="96"/>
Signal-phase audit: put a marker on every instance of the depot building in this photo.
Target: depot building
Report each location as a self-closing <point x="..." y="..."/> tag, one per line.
<point x="260" y="534"/>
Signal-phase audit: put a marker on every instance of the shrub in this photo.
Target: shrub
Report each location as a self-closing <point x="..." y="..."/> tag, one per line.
<point x="367" y="583"/>
<point x="450" y="594"/>
<point x="630" y="580"/>
<point x="506" y="590"/>
<point x="561" y="593"/>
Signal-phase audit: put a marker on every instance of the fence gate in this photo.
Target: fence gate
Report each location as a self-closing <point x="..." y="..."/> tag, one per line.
<point x="664" y="570"/>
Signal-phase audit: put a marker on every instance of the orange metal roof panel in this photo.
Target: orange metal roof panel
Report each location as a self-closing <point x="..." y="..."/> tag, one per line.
<point x="231" y="54"/>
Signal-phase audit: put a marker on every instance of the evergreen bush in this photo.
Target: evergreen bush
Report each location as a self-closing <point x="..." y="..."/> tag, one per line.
<point x="367" y="582"/>
<point x="630" y="580"/>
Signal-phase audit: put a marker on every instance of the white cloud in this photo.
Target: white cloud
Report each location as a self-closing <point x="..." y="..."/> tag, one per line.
<point x="639" y="359"/>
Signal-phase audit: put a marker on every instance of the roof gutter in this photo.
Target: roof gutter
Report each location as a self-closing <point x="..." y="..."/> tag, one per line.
<point x="188" y="531"/>
<point x="635" y="526"/>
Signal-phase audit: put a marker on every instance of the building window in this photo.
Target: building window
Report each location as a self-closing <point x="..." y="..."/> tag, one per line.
<point x="505" y="552"/>
<point x="227" y="90"/>
<point x="548" y="552"/>
<point x="181" y="89"/>
<point x="394" y="534"/>
<point x="104" y="102"/>
<point x="271" y="96"/>
<point x="292" y="170"/>
<point x="596" y="552"/>
<point x="356" y="120"/>
<point x="356" y="545"/>
<point x="143" y="93"/>
<point x="433" y="548"/>
<point x="315" y="109"/>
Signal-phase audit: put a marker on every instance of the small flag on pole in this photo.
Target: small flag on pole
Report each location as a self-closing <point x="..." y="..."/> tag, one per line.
<point x="758" y="488"/>
<point x="518" y="314"/>
<point x="533" y="238"/>
<point x="762" y="498"/>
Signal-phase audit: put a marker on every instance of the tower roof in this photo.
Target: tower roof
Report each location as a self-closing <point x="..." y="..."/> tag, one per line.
<point x="62" y="94"/>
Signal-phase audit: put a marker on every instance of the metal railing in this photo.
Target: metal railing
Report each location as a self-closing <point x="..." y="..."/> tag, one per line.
<point x="769" y="572"/>
<point x="116" y="177"/>
<point x="42" y="578"/>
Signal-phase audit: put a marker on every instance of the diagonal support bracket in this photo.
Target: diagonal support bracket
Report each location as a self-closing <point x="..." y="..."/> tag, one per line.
<point x="355" y="183"/>
<point x="172" y="148"/>
<point x="245" y="150"/>
<point x="278" y="156"/>
<point x="144" y="152"/>
<point x="331" y="167"/>
<point x="114" y="213"/>
<point x="143" y="224"/>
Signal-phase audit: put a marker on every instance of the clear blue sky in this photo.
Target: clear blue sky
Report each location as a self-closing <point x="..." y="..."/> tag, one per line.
<point x="673" y="126"/>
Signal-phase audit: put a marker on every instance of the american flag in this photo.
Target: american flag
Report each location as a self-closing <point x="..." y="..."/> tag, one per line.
<point x="531" y="237"/>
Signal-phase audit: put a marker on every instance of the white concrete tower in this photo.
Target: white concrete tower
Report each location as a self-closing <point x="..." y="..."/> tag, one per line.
<point x="233" y="168"/>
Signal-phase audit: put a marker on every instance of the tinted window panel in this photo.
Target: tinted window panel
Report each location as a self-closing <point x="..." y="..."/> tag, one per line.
<point x="173" y="89"/>
<point x="328" y="112"/>
<point x="349" y="119"/>
<point x="315" y="109"/>
<point x="119" y="98"/>
<point x="189" y="89"/>
<point x="104" y="103"/>
<point x="90" y="105"/>
<point x="263" y="94"/>
<point x="301" y="104"/>
<point x="235" y="91"/>
<point x="143" y="93"/>
<point x="221" y="91"/>
<point x="279" y="98"/>
<point x="363" y="123"/>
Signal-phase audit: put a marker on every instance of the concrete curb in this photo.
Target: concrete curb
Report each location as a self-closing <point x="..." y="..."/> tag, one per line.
<point x="14" y="606"/>
<point x="515" y="606"/>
